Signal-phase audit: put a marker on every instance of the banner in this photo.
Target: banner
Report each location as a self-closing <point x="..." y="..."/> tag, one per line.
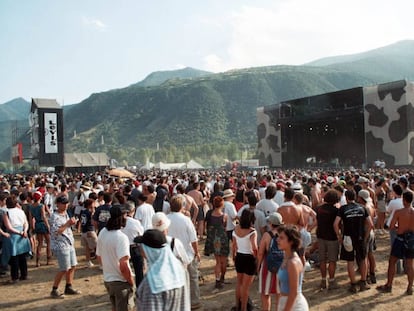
<point x="51" y="133"/>
<point x="17" y="153"/>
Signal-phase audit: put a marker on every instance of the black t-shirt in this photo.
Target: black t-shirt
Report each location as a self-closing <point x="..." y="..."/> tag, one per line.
<point x="353" y="217"/>
<point x="325" y="215"/>
<point x="86" y="221"/>
<point x="102" y="214"/>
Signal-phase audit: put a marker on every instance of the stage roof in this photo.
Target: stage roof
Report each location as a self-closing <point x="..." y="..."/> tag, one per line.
<point x="86" y="159"/>
<point x="45" y="103"/>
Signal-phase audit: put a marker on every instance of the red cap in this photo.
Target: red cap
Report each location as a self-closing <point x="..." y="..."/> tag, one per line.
<point x="37" y="195"/>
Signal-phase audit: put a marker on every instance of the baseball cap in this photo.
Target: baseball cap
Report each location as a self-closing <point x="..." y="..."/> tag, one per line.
<point x="275" y="219"/>
<point x="362" y="179"/>
<point x="347" y="242"/>
<point x="330" y="179"/>
<point x="365" y="195"/>
<point x="160" y="221"/>
<point x="37" y="195"/>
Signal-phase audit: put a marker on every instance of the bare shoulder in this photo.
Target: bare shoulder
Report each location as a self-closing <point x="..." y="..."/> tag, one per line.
<point x="295" y="263"/>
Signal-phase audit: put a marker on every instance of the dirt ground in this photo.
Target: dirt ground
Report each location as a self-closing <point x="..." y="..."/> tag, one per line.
<point x="33" y="294"/>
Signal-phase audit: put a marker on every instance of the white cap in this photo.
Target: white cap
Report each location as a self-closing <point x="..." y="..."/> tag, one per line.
<point x="160" y="221"/>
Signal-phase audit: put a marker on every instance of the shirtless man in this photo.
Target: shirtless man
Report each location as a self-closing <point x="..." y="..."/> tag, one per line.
<point x="292" y="214"/>
<point x="199" y="200"/>
<point x="190" y="206"/>
<point x="149" y="191"/>
<point x="309" y="220"/>
<point x="309" y="215"/>
<point x="316" y="195"/>
<point x="403" y="246"/>
<point x="365" y="200"/>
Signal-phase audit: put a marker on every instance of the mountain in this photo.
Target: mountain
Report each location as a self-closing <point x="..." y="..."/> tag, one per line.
<point x="159" y="77"/>
<point x="218" y="108"/>
<point x="392" y="62"/>
<point x="15" y="109"/>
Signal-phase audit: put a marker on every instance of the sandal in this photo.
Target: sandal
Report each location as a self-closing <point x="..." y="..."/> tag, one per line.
<point x="409" y="291"/>
<point x="384" y="288"/>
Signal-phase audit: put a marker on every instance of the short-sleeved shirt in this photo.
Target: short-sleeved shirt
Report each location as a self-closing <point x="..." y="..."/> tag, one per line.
<point x="394" y="205"/>
<point x="111" y="247"/>
<point x="144" y="213"/>
<point x="353" y="217"/>
<point x="86" y="221"/>
<point x="183" y="229"/>
<point x="64" y="240"/>
<point x="230" y="211"/>
<point x="267" y="206"/>
<point x="325" y="215"/>
<point x="17" y="217"/>
<point x="132" y="229"/>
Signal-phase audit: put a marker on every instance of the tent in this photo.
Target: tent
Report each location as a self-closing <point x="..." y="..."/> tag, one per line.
<point x="193" y="165"/>
<point x="86" y="161"/>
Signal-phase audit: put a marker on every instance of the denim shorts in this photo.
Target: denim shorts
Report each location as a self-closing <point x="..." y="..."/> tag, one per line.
<point x="66" y="258"/>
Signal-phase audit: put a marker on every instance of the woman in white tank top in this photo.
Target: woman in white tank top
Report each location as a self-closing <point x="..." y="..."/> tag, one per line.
<point x="244" y="256"/>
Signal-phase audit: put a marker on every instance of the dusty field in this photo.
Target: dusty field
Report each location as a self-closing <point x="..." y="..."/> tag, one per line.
<point x="33" y="294"/>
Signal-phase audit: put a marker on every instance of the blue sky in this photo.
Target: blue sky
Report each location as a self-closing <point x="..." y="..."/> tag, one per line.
<point x="70" y="49"/>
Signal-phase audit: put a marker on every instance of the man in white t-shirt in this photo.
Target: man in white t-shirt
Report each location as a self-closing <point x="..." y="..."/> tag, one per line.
<point x="113" y="253"/>
<point x="396" y="203"/>
<point x="279" y="197"/>
<point x="393" y="206"/>
<point x="144" y="212"/>
<point x="183" y="229"/>
<point x="49" y="198"/>
<point x="267" y="205"/>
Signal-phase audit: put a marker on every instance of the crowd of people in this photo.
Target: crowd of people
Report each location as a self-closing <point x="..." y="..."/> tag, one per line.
<point x="145" y="231"/>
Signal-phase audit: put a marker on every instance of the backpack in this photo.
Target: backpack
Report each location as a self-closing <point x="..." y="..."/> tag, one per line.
<point x="274" y="256"/>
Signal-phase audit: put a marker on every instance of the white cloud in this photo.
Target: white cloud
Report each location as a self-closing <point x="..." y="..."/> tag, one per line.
<point x="299" y="31"/>
<point x="213" y="63"/>
<point x="95" y="23"/>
